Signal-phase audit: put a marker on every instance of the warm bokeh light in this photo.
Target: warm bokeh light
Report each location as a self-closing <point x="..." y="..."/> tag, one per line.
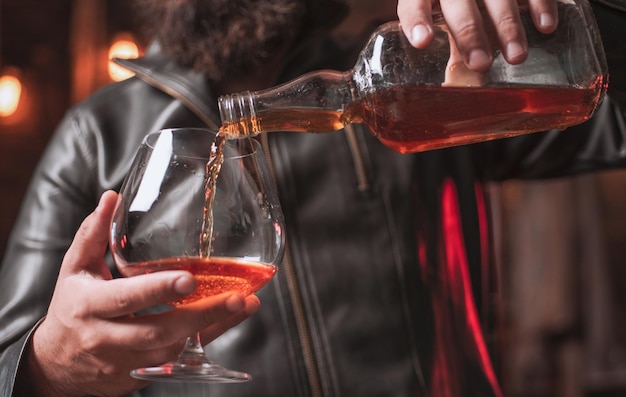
<point x="123" y="46"/>
<point x="10" y="93"/>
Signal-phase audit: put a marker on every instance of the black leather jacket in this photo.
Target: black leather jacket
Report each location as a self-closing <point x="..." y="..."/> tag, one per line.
<point x="381" y="246"/>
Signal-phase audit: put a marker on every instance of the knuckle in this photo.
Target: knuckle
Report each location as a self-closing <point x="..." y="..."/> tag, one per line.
<point x="469" y="31"/>
<point x="155" y="336"/>
<point x="506" y="23"/>
<point x="77" y="312"/>
<point x="91" y="341"/>
<point x="209" y="317"/>
<point x="109" y="369"/>
<point x="122" y="301"/>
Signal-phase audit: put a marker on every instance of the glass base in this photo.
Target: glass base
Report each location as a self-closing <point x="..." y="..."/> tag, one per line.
<point x="206" y="372"/>
<point x="192" y="366"/>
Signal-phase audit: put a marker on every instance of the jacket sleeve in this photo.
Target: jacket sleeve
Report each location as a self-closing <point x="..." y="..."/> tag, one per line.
<point x="61" y="188"/>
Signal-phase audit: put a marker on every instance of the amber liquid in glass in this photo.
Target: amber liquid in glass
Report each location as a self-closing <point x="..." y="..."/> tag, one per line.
<point x="214" y="275"/>
<point x="414" y="119"/>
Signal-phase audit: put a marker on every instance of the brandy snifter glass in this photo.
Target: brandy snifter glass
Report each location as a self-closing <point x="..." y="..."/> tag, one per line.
<point x="160" y="223"/>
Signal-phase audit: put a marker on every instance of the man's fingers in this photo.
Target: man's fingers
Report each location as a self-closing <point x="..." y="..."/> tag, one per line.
<point x="210" y="311"/>
<point x="91" y="239"/>
<point x="416" y="20"/>
<point x="466" y="25"/>
<point x="124" y="296"/>
<point x="252" y="305"/>
<point x="476" y="32"/>
<point x="210" y="333"/>
<point x="545" y="15"/>
<point x="511" y="37"/>
<point x="165" y="329"/>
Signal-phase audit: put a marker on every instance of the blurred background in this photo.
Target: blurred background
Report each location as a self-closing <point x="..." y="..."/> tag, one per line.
<point x="561" y="244"/>
<point x="561" y="249"/>
<point x="52" y="55"/>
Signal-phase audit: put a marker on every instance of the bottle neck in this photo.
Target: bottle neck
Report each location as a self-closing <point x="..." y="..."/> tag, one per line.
<point x="314" y="102"/>
<point x="238" y="115"/>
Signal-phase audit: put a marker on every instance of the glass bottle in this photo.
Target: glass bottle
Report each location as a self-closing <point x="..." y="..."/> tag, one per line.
<point x="414" y="100"/>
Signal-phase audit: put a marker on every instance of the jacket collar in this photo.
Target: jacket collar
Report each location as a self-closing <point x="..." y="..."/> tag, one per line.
<point x="190" y="87"/>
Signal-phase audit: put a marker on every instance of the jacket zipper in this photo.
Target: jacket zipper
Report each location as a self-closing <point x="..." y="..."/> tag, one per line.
<point x="304" y="332"/>
<point x="357" y="158"/>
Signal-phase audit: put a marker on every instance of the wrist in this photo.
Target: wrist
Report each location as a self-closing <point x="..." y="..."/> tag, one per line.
<point x="34" y="375"/>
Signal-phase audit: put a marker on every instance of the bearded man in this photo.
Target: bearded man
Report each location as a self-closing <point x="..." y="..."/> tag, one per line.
<point x="352" y="311"/>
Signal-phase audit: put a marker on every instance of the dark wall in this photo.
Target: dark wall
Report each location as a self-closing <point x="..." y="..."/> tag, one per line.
<point x="34" y="38"/>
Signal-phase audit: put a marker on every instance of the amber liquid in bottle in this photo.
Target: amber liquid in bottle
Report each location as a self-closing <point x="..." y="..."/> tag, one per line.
<point x="414" y="119"/>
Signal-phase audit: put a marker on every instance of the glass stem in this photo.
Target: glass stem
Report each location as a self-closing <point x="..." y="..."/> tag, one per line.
<point x="193" y="353"/>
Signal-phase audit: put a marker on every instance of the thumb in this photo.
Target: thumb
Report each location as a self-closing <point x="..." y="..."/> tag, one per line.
<point x="89" y="245"/>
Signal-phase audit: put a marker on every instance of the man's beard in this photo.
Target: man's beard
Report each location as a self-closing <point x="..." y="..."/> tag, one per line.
<point x="222" y="38"/>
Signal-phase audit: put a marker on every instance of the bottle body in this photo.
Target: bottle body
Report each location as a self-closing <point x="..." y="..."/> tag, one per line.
<point x="415" y="119"/>
<point x="422" y="99"/>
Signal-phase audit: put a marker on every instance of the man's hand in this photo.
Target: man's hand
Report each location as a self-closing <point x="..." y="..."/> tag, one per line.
<point x="90" y="339"/>
<point x="468" y="27"/>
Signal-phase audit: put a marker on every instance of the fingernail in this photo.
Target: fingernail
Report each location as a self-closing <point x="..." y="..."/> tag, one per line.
<point x="514" y="50"/>
<point x="478" y="58"/>
<point x="419" y="33"/>
<point x="185" y="285"/>
<point x="234" y="303"/>
<point x="546" y="19"/>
